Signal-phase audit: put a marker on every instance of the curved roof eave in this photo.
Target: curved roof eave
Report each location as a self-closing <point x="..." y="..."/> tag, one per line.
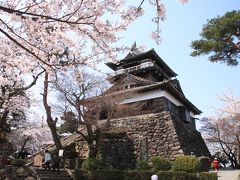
<point x="173" y="91"/>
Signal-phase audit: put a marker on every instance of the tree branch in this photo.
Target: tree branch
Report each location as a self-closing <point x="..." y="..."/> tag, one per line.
<point x="23" y="47"/>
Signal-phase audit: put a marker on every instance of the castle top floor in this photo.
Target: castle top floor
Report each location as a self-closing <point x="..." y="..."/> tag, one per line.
<point x="147" y="65"/>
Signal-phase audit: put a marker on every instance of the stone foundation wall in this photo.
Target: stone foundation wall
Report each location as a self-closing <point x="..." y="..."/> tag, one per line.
<point x="118" y="153"/>
<point x="159" y="131"/>
<point x="190" y="139"/>
<point x="157" y="134"/>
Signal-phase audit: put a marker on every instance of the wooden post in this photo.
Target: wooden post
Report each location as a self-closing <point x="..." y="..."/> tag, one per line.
<point x="143" y="149"/>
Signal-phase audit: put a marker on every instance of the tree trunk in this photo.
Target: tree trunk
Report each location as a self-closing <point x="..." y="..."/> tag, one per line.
<point x="20" y="154"/>
<point x="238" y="159"/>
<point x="51" y="123"/>
<point x="56" y="139"/>
<point x="93" y="141"/>
<point x="3" y="121"/>
<point x="93" y="150"/>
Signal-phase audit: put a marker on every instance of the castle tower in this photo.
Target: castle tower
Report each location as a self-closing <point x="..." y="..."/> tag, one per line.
<point x="158" y="121"/>
<point x="155" y="86"/>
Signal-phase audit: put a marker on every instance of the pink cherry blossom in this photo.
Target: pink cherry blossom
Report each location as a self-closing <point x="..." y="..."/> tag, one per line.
<point x="59" y="36"/>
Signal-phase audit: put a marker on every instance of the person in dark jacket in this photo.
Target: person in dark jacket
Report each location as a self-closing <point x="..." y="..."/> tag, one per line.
<point x="56" y="163"/>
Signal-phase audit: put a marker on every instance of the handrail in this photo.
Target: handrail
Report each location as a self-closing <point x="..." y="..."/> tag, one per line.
<point x="134" y="68"/>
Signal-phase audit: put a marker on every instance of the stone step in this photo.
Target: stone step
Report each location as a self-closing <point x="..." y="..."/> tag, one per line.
<point x="51" y="172"/>
<point x="53" y="175"/>
<point x="56" y="178"/>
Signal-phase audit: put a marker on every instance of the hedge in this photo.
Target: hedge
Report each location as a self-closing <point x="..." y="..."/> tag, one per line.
<point x="107" y="174"/>
<point x="208" y="176"/>
<point x="110" y="174"/>
<point x="138" y="175"/>
<point x="171" y="175"/>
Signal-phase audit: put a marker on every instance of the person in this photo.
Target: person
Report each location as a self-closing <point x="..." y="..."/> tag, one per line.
<point x="56" y="163"/>
<point x="215" y="164"/>
<point x="209" y="162"/>
<point x="154" y="177"/>
<point x="47" y="160"/>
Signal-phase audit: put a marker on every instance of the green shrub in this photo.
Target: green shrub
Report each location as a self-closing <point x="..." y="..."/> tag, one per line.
<point x="91" y="164"/>
<point x="142" y="165"/>
<point x="138" y="175"/>
<point x="160" y="163"/>
<point x="107" y="174"/>
<point x="188" y="164"/>
<point x="171" y="175"/>
<point x="208" y="176"/>
<point x="18" y="162"/>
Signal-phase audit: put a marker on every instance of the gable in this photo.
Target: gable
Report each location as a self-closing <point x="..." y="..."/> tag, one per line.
<point x="130" y="81"/>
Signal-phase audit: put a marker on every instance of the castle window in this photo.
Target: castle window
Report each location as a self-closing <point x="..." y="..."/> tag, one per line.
<point x="130" y="86"/>
<point x="188" y="117"/>
<point x="157" y="105"/>
<point x="185" y="114"/>
<point x="103" y="115"/>
<point x="168" y="105"/>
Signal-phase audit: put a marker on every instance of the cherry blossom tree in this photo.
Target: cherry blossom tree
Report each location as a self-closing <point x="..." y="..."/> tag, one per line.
<point x="73" y="92"/>
<point x="58" y="35"/>
<point x="222" y="131"/>
<point x="40" y="33"/>
<point x="86" y="100"/>
<point x="31" y="136"/>
<point x="13" y="97"/>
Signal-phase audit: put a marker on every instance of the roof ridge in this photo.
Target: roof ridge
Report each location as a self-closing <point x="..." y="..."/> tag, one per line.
<point x="177" y="83"/>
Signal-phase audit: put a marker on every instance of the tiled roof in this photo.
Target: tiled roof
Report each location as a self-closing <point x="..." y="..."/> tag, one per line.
<point x="141" y="79"/>
<point x="165" y="85"/>
<point x="136" y="78"/>
<point x="149" y="54"/>
<point x="177" y="85"/>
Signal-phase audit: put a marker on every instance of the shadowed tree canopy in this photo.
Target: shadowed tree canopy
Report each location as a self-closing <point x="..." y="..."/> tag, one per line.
<point x="70" y="122"/>
<point x="53" y="36"/>
<point x="220" y="38"/>
<point x="222" y="131"/>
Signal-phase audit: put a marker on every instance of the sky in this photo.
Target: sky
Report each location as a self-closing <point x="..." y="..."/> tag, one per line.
<point x="201" y="80"/>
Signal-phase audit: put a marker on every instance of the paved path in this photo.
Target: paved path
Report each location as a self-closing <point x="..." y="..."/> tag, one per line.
<point x="228" y="174"/>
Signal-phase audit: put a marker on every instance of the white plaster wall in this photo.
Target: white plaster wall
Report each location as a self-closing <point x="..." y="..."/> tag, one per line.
<point x="155" y="94"/>
<point x="151" y="95"/>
